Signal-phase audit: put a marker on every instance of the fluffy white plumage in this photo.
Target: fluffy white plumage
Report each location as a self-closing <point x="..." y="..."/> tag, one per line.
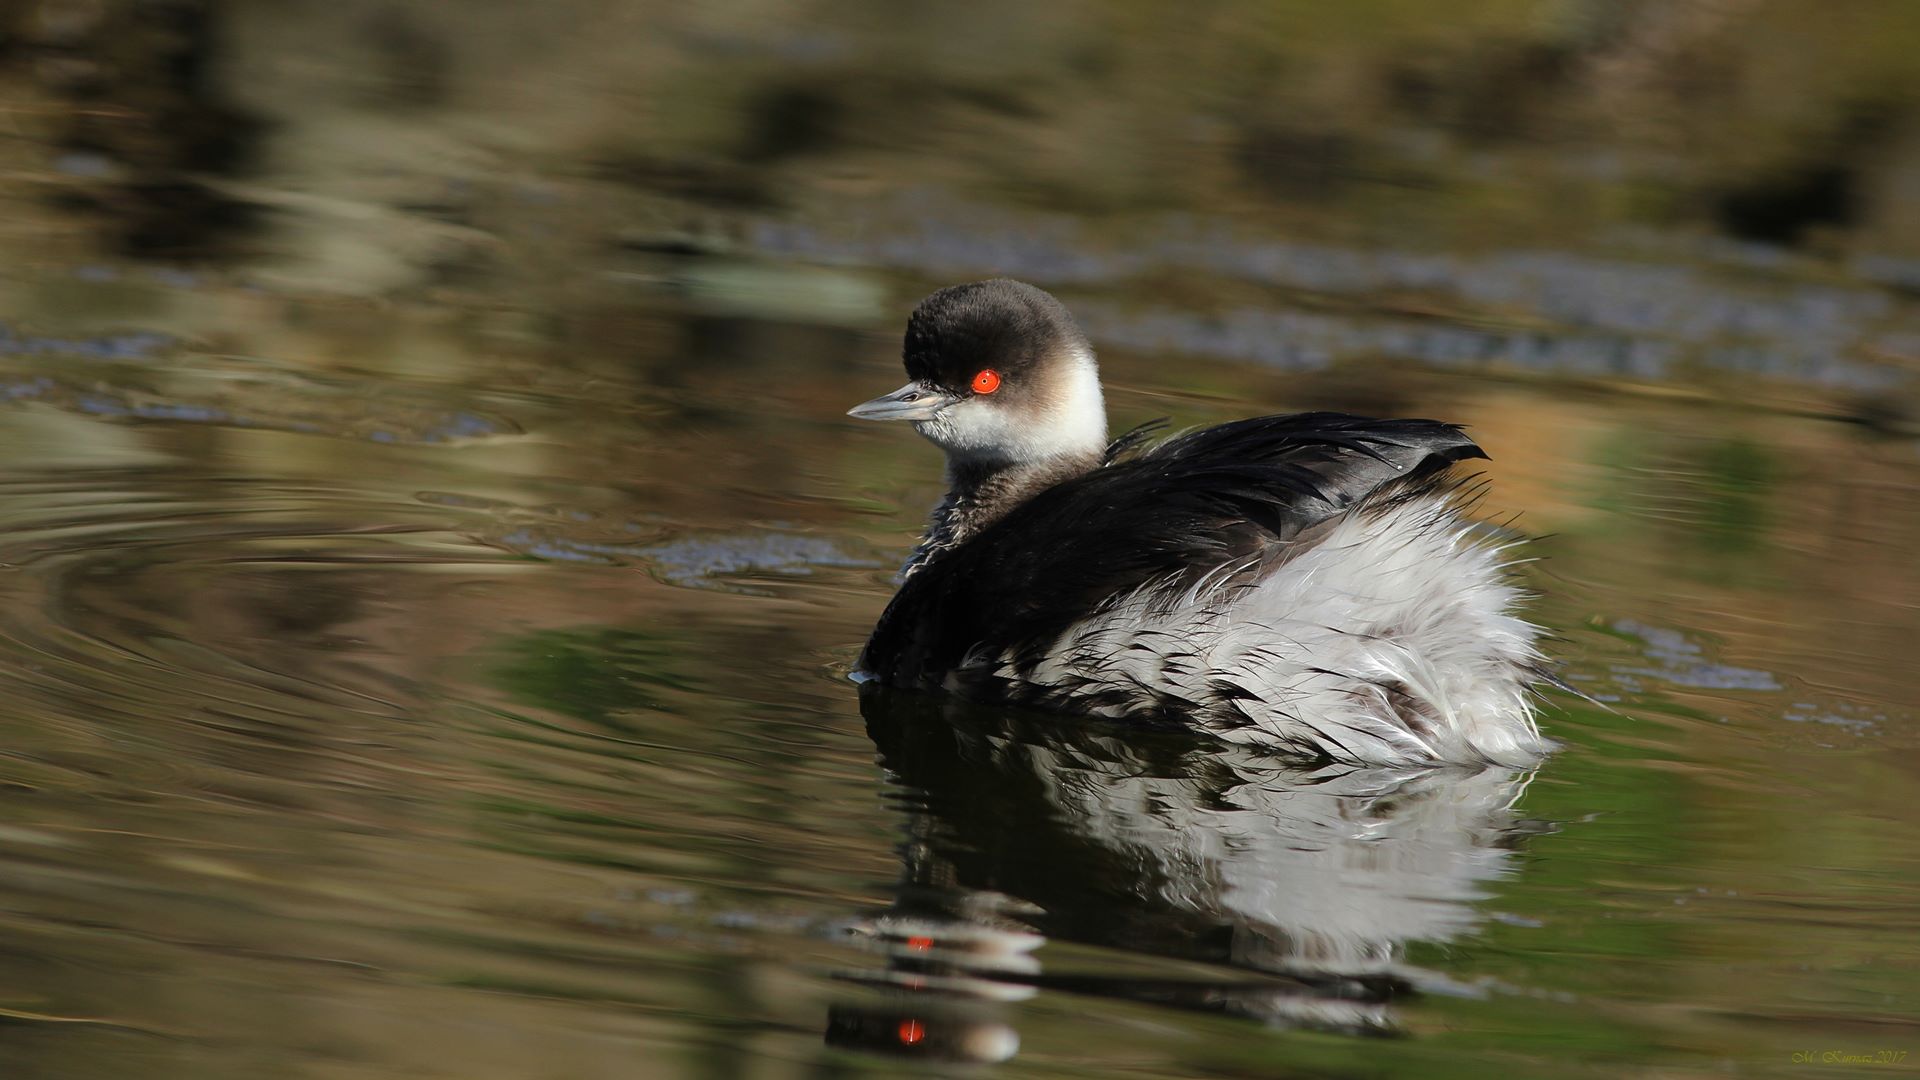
<point x="1391" y="639"/>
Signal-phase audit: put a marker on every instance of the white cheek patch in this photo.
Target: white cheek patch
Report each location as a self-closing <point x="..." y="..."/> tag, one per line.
<point x="1078" y="415"/>
<point x="1068" y="417"/>
<point x="975" y="429"/>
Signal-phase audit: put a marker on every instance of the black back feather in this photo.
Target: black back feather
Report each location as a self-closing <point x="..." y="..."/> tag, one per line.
<point x="1167" y="513"/>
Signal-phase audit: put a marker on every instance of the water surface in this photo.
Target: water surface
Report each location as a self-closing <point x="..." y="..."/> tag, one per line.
<point x="432" y="547"/>
<point x="404" y="721"/>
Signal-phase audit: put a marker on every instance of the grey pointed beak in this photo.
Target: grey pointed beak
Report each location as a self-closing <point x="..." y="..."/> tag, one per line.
<point x="914" y="401"/>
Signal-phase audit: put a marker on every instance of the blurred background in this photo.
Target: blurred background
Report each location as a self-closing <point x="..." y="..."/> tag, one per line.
<point x="431" y="546"/>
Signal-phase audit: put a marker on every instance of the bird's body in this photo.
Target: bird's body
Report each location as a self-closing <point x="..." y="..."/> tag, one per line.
<point x="1308" y="583"/>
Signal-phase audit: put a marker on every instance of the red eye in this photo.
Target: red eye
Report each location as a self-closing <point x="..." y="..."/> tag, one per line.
<point x="911" y="1031"/>
<point x="986" y="382"/>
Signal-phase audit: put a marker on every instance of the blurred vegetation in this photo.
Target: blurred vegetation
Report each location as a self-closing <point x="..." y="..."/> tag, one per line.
<point x="1782" y="121"/>
<point x="1720" y="192"/>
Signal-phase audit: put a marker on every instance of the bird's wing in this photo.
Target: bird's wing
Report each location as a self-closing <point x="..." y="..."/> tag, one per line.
<point x="1167" y="513"/>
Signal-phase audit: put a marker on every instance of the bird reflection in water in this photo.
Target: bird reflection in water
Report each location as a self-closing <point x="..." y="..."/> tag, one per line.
<point x="1299" y="884"/>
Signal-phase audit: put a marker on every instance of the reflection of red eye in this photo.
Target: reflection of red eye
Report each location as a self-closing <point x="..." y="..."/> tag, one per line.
<point x="986" y="382"/>
<point x="911" y="1031"/>
<point x="920" y="944"/>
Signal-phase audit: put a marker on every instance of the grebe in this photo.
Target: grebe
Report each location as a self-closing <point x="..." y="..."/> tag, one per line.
<point x="1309" y="584"/>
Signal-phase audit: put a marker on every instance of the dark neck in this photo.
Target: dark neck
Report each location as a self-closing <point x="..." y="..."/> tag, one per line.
<point x="979" y="495"/>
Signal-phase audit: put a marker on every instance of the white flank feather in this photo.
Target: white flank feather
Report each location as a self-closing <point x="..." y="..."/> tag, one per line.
<point x="1388" y="639"/>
